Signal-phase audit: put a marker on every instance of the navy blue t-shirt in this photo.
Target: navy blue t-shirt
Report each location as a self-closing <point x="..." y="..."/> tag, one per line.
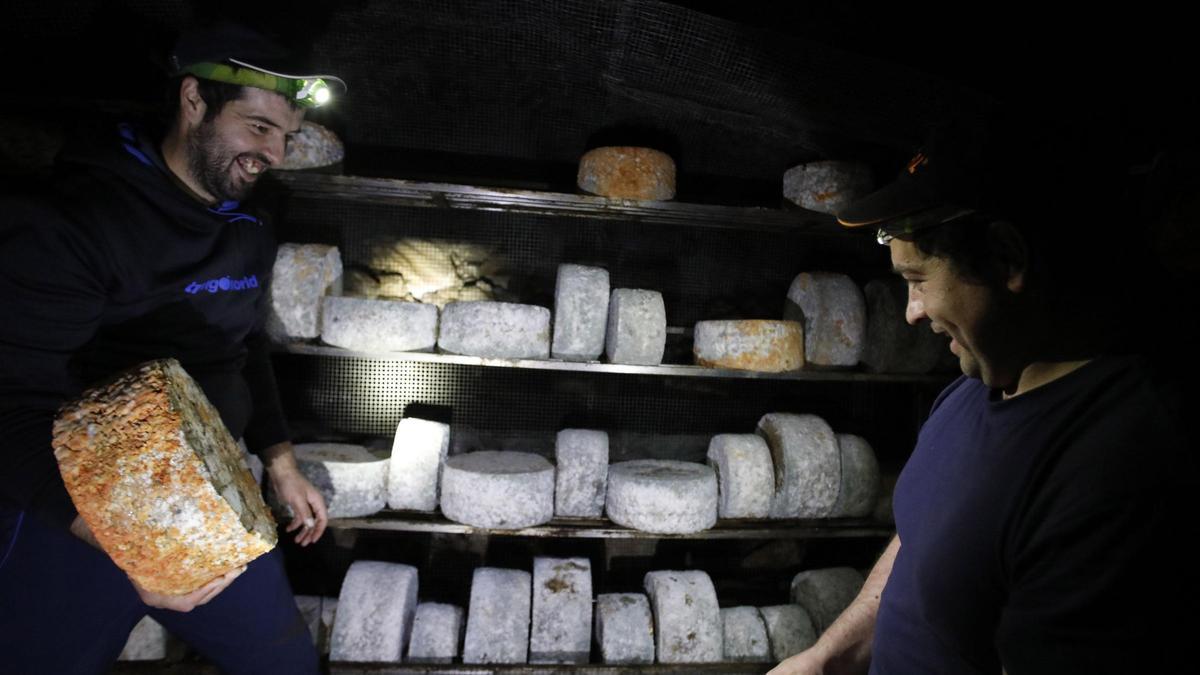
<point x="1042" y="532"/>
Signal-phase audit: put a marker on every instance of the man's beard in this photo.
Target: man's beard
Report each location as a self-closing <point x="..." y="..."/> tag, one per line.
<point x="211" y="165"/>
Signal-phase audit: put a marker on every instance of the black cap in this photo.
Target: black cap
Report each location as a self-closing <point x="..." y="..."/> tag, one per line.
<point x="1006" y="164"/>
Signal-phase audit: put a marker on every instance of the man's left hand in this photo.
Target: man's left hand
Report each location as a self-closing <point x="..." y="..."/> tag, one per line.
<point x="297" y="493"/>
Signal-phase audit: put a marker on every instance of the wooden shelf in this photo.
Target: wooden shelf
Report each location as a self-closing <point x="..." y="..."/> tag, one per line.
<point x="338" y="668"/>
<point x="666" y="370"/>
<point x="601" y="528"/>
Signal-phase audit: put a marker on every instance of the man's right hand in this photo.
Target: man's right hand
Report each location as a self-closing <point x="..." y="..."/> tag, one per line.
<point x="177" y="603"/>
<point x="807" y="662"/>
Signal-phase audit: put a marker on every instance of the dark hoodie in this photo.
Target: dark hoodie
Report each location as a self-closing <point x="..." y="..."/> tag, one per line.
<point x="113" y="265"/>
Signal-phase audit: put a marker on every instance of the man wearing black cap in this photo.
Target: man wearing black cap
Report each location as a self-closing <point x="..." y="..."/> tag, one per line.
<point x="1038" y="517"/>
<point x="109" y="269"/>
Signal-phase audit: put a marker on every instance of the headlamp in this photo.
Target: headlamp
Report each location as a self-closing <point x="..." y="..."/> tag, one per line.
<point x="306" y="92"/>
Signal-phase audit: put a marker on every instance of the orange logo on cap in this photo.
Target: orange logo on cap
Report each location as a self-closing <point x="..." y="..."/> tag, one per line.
<point x="917" y="162"/>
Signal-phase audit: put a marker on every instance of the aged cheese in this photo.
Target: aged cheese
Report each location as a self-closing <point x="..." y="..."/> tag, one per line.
<point x="581" y="472"/>
<point x="860" y="478"/>
<point x="500" y="330"/>
<point x="499" y="490"/>
<point x="580" y="312"/>
<point x="893" y="345"/>
<point x="808" y="472"/>
<point x="146" y="642"/>
<point x="745" y="475"/>
<point x="637" y="327"/>
<point x="765" y="346"/>
<point x="366" y="325"/>
<point x="834" y="315"/>
<point x="686" y="616"/>
<point x="626" y="172"/>
<point x="374" y="612"/>
<point x="662" y="496"/>
<point x="498" y="617"/>
<point x="419" y="450"/>
<point x="312" y="147"/>
<point x="303" y="275"/>
<point x="624" y="628"/>
<point x="789" y="629"/>
<point x="745" y="635"/>
<point x="825" y="593"/>
<point x="319" y="614"/>
<point x="827" y="186"/>
<point x="561" y="630"/>
<point x="159" y="480"/>
<point x="437" y="632"/>
<point x="351" y="479"/>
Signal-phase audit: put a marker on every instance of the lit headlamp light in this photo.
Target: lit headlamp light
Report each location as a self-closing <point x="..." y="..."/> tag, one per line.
<point x="306" y="91"/>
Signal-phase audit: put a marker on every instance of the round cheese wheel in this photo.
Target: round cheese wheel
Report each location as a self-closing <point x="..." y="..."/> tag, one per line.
<point x="498" y="490"/>
<point x="807" y="463"/>
<point x="501" y="330"/>
<point x="351" y="479"/>
<point x="686" y="616"/>
<point x="626" y="172"/>
<point x="370" y="625"/>
<point x="834" y="314"/>
<point x="745" y="475"/>
<point x="765" y="346"/>
<point x="662" y="496"/>
<point x="827" y="186"/>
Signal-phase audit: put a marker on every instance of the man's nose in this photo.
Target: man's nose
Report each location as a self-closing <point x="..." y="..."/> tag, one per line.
<point x="915" y="310"/>
<point x="272" y="149"/>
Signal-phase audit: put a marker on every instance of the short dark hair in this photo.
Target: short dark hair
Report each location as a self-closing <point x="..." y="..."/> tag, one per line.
<point x="966" y="245"/>
<point x="215" y="95"/>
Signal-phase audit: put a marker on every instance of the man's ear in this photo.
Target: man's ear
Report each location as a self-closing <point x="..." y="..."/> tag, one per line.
<point x="1010" y="252"/>
<point x="191" y="105"/>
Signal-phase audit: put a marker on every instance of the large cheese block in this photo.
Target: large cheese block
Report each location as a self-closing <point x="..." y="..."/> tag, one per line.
<point x="662" y="496"/>
<point x="157" y="477"/>
<point x="789" y="629"/>
<point x="807" y="461"/>
<point x="764" y="346"/>
<point x="686" y="616"/>
<point x="581" y="472"/>
<point x="436" y="634"/>
<point x="374" y="612"/>
<point x="637" y="327"/>
<point x="893" y="345"/>
<point x="419" y="450"/>
<point x="498" y="617"/>
<point x="499" y="330"/>
<point x="745" y="635"/>
<point x="834" y="314"/>
<point x="624" y="628"/>
<point x="561" y="629"/>
<point x="745" y="475"/>
<point x="827" y="186"/>
<point x="363" y="324"/>
<point x="627" y="172"/>
<point x="860" y="483"/>
<point x="351" y="479"/>
<point x="580" y="312"/>
<point x="498" y="490"/>
<point x="312" y="147"/>
<point x="301" y="278"/>
<point x="825" y="593"/>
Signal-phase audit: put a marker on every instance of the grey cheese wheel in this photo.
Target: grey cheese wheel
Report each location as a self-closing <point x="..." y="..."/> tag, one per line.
<point x="436" y="634"/>
<point x="561" y="630"/>
<point x="893" y="345"/>
<point x="363" y="324"/>
<point x="301" y="278"/>
<point x="498" y="617"/>
<point x="375" y="612"/>
<point x="807" y="461"/>
<point x="146" y="642"/>
<point x="745" y="635"/>
<point x="498" y="490"/>
<point x="624" y="628"/>
<point x="498" y="330"/>
<point x="581" y="472"/>
<point x="580" y="312"/>
<point x="419" y="450"/>
<point x="834" y="314"/>
<point x="825" y="593"/>
<point x="351" y="479"/>
<point x="789" y="629"/>
<point x="860" y="478"/>
<point x="636" y="333"/>
<point x="745" y="475"/>
<point x="662" y="496"/>
<point x="686" y="616"/>
<point x="827" y="186"/>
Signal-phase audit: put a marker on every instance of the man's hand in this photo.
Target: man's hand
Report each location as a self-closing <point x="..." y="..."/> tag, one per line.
<point x="186" y="603"/>
<point x="805" y="663"/>
<point x="294" y="490"/>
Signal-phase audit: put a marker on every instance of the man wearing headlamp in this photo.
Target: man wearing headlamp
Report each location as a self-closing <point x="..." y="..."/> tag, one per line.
<point x="95" y="278"/>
